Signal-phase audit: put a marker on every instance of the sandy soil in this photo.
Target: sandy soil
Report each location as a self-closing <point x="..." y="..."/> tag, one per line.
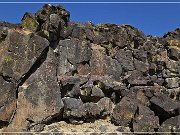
<point x="102" y="126"/>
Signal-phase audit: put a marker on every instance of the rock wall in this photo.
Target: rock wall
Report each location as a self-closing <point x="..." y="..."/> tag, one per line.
<point x="53" y="70"/>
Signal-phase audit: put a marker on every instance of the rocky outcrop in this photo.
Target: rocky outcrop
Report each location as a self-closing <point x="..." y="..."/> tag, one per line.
<point x="54" y="70"/>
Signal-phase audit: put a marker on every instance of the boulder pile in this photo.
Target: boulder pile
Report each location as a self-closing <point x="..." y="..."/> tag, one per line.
<point x="52" y="69"/>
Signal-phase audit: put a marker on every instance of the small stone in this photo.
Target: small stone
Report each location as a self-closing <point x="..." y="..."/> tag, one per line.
<point x="97" y="92"/>
<point x="103" y="128"/>
<point x="173" y="82"/>
<point x="38" y="128"/>
<point x="123" y="129"/>
<point x="75" y="122"/>
<point x="90" y="110"/>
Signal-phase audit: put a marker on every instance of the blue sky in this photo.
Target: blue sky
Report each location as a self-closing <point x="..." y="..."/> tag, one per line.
<point x="154" y="19"/>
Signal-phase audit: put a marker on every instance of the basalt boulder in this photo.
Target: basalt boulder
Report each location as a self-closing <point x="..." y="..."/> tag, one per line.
<point x="39" y="97"/>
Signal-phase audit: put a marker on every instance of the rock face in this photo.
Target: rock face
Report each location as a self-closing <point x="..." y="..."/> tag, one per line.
<point x="52" y="70"/>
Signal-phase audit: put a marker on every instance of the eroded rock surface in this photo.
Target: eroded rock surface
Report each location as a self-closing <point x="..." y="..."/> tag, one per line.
<point x="53" y="70"/>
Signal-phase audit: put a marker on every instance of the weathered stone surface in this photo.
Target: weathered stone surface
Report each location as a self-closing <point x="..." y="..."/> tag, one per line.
<point x="137" y="78"/>
<point x="39" y="97"/>
<point x="126" y="59"/>
<point x="90" y="110"/>
<point x="84" y="112"/>
<point x="3" y="33"/>
<point x="90" y="93"/>
<point x="174" y="93"/>
<point x="141" y="66"/>
<point x="136" y="36"/>
<point x="52" y="128"/>
<point x="89" y="97"/>
<point x="164" y="107"/>
<point x="75" y="110"/>
<point x="104" y="65"/>
<point x="6" y="26"/>
<point x="169" y="74"/>
<point x="83" y="31"/>
<point x="173" y="35"/>
<point x="106" y="106"/>
<point x="165" y="102"/>
<point x="97" y="92"/>
<point x="66" y="33"/>
<point x="20" y="48"/>
<point x="173" y="82"/>
<point x="71" y="103"/>
<point x="174" y="52"/>
<point x="53" y="19"/>
<point x="124" y="112"/>
<point x="140" y="55"/>
<point x="172" y="65"/>
<point x="71" y="53"/>
<point x="71" y="108"/>
<point x="147" y="90"/>
<point x="171" y="125"/>
<point x="7" y="100"/>
<point x="100" y="36"/>
<point x="145" y="120"/>
<point x="86" y="72"/>
<point x="48" y="9"/>
<point x="29" y="22"/>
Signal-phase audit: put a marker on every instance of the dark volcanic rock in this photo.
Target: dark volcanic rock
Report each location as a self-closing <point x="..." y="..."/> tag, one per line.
<point x="106" y="106"/>
<point x="164" y="102"/>
<point x="39" y="97"/>
<point x="124" y="112"/>
<point x="164" y="107"/>
<point x="72" y="53"/>
<point x="140" y="55"/>
<point x="52" y="69"/>
<point x="101" y="64"/>
<point x="171" y="125"/>
<point x="174" y="52"/>
<point x="126" y="59"/>
<point x="71" y="108"/>
<point x="52" y="19"/>
<point x="82" y="31"/>
<point x="145" y="121"/>
<point x="20" y="48"/>
<point x="141" y="66"/>
<point x="7" y="100"/>
<point x="137" y="78"/>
